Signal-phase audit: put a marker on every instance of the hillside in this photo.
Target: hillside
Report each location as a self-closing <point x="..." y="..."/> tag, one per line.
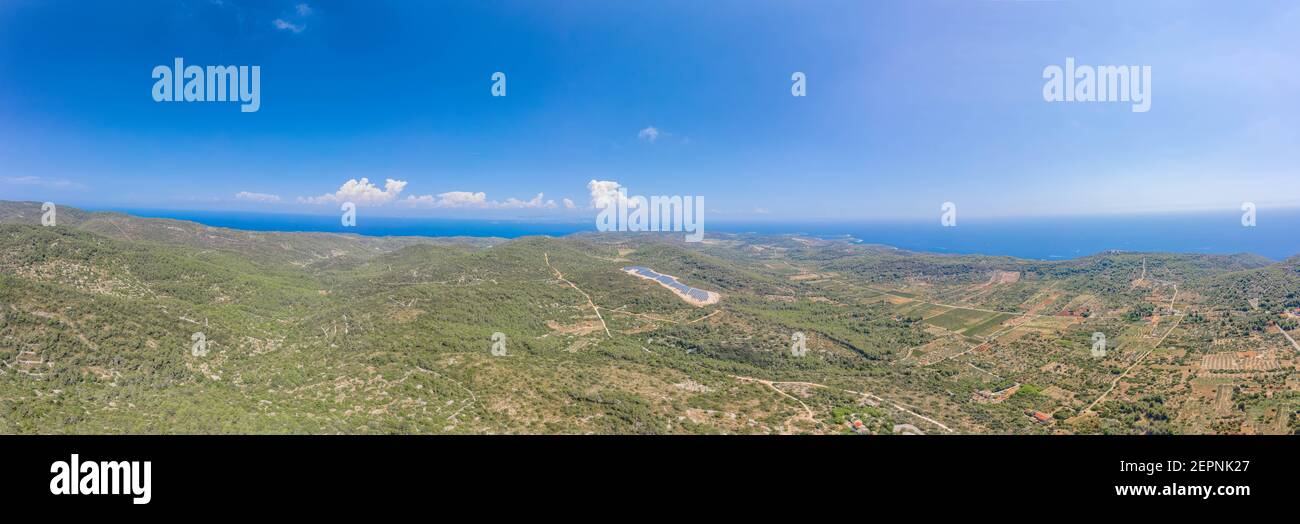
<point x="330" y="333"/>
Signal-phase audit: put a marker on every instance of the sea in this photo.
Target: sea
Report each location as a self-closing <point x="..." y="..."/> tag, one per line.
<point x="1276" y="233"/>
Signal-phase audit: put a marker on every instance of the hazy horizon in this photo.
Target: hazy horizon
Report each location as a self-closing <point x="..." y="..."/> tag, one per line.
<point x="1042" y="238"/>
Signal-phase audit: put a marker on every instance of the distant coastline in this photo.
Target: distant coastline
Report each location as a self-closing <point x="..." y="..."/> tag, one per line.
<point x="1056" y="238"/>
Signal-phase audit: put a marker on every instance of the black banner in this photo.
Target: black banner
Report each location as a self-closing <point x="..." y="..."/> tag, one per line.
<point x="1090" y="473"/>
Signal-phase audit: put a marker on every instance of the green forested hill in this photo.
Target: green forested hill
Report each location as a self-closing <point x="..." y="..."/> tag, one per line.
<point x="327" y="333"/>
<point x="1273" y="287"/>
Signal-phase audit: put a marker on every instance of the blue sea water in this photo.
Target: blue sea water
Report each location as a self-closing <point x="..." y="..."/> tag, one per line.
<point x="1275" y="235"/>
<point x="371" y="225"/>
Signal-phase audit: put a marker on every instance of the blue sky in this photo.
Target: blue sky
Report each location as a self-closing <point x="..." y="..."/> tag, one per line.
<point x="909" y="105"/>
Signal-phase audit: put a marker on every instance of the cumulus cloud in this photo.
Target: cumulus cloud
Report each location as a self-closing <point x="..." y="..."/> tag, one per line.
<point x="360" y="192"/>
<point x="605" y="193"/>
<point x="649" y="134"/>
<point x="364" y="193"/>
<point x="568" y="204"/>
<point x="285" y="25"/>
<point x="264" y="198"/>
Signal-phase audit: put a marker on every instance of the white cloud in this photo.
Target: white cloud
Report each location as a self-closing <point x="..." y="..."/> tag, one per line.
<point x="568" y="204"/>
<point x="451" y="199"/>
<point x="538" y="201"/>
<point x="476" y="200"/>
<point x="649" y="134"/>
<point x="281" y="24"/>
<point x="605" y="193"/>
<point x="360" y="192"/>
<point x="265" y="198"/>
<point x="47" y="183"/>
<point x="294" y="24"/>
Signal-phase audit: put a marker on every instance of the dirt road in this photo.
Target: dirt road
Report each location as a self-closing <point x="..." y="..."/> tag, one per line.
<point x="590" y="302"/>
